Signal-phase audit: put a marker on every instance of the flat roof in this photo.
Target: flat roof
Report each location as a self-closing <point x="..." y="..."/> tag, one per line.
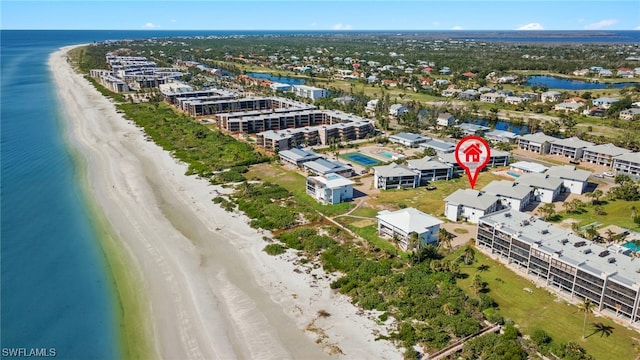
<point x="324" y="166"/>
<point x="298" y="154"/>
<point x="332" y="181"/>
<point x="561" y="244"/>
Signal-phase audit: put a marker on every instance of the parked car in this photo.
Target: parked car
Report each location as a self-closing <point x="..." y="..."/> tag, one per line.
<point x="598" y="176"/>
<point x="608" y="174"/>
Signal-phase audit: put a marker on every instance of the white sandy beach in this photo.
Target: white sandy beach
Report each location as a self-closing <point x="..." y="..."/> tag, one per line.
<point x="211" y="291"/>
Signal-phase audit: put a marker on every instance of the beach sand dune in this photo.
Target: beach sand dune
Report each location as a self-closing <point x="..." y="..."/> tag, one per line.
<point x="210" y="290"/>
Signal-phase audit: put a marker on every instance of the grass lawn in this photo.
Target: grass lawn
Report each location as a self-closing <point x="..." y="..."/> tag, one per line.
<point x="428" y="201"/>
<point x="541" y="310"/>
<point x="295" y="183"/>
<point x="618" y="213"/>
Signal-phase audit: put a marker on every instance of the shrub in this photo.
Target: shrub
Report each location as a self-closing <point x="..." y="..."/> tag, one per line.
<point x="275" y="249"/>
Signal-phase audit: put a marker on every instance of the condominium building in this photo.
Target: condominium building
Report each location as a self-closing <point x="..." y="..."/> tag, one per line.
<point x="401" y="223"/>
<point x="538" y="142"/>
<point x="564" y="262"/>
<point x="628" y="163"/>
<point x="330" y="189"/>
<point x="395" y="176"/>
<point x="572" y="147"/>
<point x="602" y="154"/>
<point x="309" y="92"/>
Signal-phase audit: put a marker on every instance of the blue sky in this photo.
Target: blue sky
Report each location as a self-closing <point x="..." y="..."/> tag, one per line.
<point x="322" y="15"/>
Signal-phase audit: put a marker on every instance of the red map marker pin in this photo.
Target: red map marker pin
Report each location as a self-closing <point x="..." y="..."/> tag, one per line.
<point x="472" y="154"/>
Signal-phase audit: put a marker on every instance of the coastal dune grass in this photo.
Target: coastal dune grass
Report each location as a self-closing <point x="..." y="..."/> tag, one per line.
<point x="541" y="309"/>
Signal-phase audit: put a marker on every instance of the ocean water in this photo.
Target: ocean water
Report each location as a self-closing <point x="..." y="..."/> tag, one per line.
<point x="55" y="291"/>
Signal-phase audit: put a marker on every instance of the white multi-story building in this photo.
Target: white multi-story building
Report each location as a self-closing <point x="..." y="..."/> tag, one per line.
<point x="400" y="224"/>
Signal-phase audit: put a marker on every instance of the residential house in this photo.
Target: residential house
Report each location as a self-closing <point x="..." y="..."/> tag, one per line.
<point x="545" y="188"/>
<point x="397" y="109"/>
<point x="514" y="100"/>
<point x="371" y="105"/>
<point x="572" y="147"/>
<point x="630" y="114"/>
<point x="628" y="163"/>
<point x="538" y="142"/>
<point x="550" y="96"/>
<point x="492" y="97"/>
<point x="398" y="225"/>
<point x="573" y="180"/>
<point x="324" y="167"/>
<point x="511" y="194"/>
<point x="469" y="205"/>
<point x="604" y="102"/>
<point x="563" y="262"/>
<point x="602" y="154"/>
<point x="430" y="169"/>
<point x="394" y="176"/>
<point x="568" y="107"/>
<point x="605" y="73"/>
<point x="330" y="189"/>
<point x="297" y="157"/>
<point x="473" y="129"/>
<point x="441" y="147"/>
<point x="445" y="119"/>
<point x="501" y="136"/>
<point x="595" y="111"/>
<point x="408" y="139"/>
<point x="470" y="94"/>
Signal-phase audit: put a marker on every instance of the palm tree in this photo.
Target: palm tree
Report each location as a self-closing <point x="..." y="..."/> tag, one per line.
<point x="604" y="330"/>
<point x="611" y="235"/>
<point x="414" y="241"/>
<point x="586" y="307"/>
<point x="444" y="238"/>
<point x="468" y="255"/>
<point x="477" y="284"/>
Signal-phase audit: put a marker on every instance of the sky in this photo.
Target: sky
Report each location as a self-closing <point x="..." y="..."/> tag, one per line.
<point x="343" y="15"/>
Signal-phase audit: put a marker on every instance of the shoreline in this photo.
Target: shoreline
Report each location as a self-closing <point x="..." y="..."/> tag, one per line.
<point x="209" y="289"/>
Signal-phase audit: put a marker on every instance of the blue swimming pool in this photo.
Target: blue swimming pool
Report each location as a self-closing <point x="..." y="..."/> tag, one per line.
<point x="386" y="154"/>
<point x="513" y="174"/>
<point x="632" y="246"/>
<point x="361" y="159"/>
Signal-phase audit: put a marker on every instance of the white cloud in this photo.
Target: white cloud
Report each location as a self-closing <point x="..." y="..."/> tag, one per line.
<point x="341" y="27"/>
<point x="531" y="26"/>
<point x="457" y="27"/>
<point x="149" y="25"/>
<point x="636" y="28"/>
<point x="600" y="24"/>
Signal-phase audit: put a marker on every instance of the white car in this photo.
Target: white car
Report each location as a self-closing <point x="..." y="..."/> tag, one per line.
<point x="608" y="174"/>
<point x="598" y="176"/>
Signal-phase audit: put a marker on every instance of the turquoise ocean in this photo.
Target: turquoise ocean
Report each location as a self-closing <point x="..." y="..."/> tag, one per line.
<point x="56" y="292"/>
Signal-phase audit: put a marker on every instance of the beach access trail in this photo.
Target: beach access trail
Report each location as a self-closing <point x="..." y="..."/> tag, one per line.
<point x="208" y="289"/>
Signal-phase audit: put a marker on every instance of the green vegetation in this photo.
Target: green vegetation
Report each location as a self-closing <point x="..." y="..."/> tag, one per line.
<point x="208" y="153"/>
<point x="540" y="309"/>
<point x="275" y="249"/>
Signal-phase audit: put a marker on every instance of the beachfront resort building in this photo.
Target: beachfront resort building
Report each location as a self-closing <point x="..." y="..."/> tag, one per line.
<point x="107" y="79"/>
<point x="538" y="143"/>
<point x="546" y="189"/>
<point x="571" y="148"/>
<point x="430" y="169"/>
<point x="395" y="176"/>
<point x="603" y="154"/>
<point x="309" y="92"/>
<point x="398" y="225"/>
<point x="511" y="194"/>
<point x="564" y="262"/>
<point x="469" y="205"/>
<point x="628" y="163"/>
<point x="296" y="157"/>
<point x="330" y="189"/>
<point x="408" y="139"/>
<point x="573" y="180"/>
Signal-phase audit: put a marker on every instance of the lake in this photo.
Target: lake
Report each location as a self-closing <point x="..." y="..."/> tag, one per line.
<point x="278" y="79"/>
<point x="552" y="82"/>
